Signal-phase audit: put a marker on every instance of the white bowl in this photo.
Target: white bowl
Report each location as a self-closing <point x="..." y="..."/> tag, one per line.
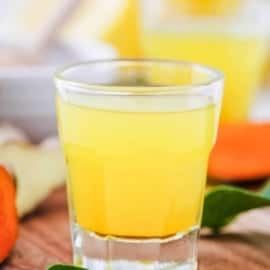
<point x="27" y="100"/>
<point x="27" y="93"/>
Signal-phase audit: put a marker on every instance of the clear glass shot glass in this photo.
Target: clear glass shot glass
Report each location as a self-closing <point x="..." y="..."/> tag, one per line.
<point x="136" y="136"/>
<point x="230" y="35"/>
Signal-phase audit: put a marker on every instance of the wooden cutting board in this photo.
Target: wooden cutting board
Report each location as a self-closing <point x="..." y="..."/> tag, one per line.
<point x="44" y="239"/>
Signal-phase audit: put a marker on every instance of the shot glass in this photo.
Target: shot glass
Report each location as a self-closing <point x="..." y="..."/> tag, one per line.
<point x="136" y="136"/>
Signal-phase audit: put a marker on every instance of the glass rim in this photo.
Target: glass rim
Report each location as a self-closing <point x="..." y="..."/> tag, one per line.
<point x="108" y="89"/>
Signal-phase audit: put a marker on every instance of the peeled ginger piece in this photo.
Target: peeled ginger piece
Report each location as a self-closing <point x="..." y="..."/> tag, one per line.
<point x="37" y="170"/>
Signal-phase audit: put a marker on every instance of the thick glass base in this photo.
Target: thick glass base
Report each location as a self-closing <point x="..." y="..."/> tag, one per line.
<point x="113" y="253"/>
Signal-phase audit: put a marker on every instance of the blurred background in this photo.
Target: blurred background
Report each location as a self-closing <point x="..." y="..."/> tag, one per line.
<point x="38" y="36"/>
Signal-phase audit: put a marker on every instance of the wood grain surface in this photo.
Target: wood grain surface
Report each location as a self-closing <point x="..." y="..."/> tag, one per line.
<point x="44" y="239"/>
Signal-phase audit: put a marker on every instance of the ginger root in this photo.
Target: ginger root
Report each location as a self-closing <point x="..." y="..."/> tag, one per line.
<point x="38" y="169"/>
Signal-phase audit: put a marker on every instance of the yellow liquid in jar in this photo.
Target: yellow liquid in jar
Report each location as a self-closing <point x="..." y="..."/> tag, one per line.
<point x="239" y="56"/>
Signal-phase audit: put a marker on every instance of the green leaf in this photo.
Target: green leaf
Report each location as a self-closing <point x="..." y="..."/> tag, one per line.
<point x="223" y="203"/>
<point x="65" y="267"/>
<point x="265" y="192"/>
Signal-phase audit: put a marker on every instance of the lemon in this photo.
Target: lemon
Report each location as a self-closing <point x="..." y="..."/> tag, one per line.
<point x="207" y="7"/>
<point x="114" y="21"/>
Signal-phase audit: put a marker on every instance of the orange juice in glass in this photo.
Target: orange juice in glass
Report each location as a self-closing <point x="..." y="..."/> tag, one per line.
<point x="136" y="137"/>
<point x="235" y="43"/>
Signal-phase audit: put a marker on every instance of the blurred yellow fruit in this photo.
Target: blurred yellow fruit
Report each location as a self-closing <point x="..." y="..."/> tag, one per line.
<point x="207" y="7"/>
<point x="114" y="21"/>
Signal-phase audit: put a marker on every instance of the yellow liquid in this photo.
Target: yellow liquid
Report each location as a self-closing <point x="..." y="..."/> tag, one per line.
<point x="136" y="171"/>
<point x="240" y="57"/>
<point x="206" y="7"/>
